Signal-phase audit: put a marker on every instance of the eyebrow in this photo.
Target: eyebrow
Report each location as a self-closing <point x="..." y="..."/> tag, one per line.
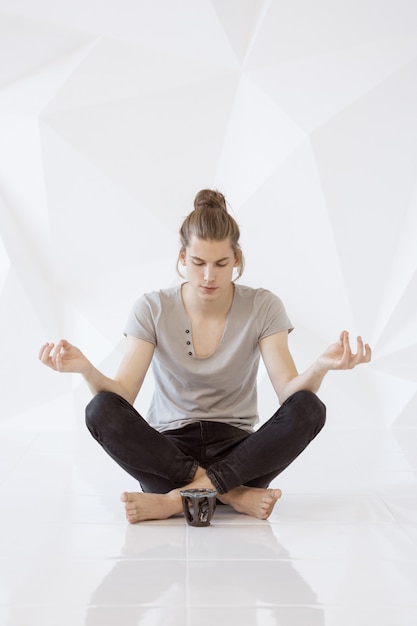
<point x="197" y="258"/>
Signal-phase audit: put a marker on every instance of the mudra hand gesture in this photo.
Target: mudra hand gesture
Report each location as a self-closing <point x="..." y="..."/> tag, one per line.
<point x="64" y="357"/>
<point x="339" y="355"/>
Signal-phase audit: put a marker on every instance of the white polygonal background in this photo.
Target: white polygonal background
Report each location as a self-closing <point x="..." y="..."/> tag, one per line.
<point x="304" y="114"/>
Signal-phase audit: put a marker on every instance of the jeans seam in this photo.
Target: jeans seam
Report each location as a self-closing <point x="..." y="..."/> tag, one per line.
<point x="216" y="483"/>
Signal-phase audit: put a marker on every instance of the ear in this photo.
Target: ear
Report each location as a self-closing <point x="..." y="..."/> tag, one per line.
<point x="181" y="256"/>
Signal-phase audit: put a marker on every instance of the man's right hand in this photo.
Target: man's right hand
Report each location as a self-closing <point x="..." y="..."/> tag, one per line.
<point x="64" y="357"/>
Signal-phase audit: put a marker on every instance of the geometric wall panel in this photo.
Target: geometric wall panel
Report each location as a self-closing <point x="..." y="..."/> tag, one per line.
<point x="113" y="116"/>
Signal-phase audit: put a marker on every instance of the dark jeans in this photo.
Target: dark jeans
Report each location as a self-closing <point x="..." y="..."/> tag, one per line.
<point x="231" y="456"/>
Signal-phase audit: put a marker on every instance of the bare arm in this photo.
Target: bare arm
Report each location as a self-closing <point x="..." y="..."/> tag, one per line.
<point x="282" y="371"/>
<point x="130" y="375"/>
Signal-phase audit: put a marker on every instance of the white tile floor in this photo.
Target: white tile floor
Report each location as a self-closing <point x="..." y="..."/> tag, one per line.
<point x="339" y="550"/>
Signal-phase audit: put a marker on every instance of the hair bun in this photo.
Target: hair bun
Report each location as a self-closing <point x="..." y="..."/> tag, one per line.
<point x="211" y="221"/>
<point x="210" y="199"/>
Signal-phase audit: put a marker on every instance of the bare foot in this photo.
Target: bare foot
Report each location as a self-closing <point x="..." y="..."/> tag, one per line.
<point x="252" y="501"/>
<point x="150" y="506"/>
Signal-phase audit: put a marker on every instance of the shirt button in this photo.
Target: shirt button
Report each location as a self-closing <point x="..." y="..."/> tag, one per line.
<point x="187" y="331"/>
<point x="190" y="354"/>
<point x="188" y="343"/>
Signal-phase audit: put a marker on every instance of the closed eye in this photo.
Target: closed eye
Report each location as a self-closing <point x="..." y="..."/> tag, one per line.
<point x="219" y="263"/>
<point x="200" y="263"/>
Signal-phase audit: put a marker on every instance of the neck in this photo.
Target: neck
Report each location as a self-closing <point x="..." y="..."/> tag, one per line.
<point x="197" y="306"/>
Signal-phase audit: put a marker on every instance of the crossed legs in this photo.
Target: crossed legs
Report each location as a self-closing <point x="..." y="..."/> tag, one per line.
<point x="240" y="473"/>
<point x="253" y="501"/>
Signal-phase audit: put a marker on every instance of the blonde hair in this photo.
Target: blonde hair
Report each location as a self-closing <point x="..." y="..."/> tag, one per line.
<point x="211" y="221"/>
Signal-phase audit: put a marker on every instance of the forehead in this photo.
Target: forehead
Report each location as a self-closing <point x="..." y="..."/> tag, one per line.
<point x="210" y="249"/>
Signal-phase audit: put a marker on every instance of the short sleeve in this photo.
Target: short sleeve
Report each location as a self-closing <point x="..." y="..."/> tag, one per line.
<point x="141" y="320"/>
<point x="272" y="316"/>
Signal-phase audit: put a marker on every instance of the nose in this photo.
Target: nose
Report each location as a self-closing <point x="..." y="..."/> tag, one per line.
<point x="209" y="273"/>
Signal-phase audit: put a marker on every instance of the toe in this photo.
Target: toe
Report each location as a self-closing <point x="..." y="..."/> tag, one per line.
<point x="127" y="496"/>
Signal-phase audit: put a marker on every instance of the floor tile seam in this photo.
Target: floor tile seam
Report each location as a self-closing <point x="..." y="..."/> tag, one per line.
<point x="184" y="605"/>
<point x="242" y="605"/>
<point x="332" y="604"/>
<point x="290" y="521"/>
<point x="156" y="605"/>
<point x="206" y="559"/>
<point x="191" y="561"/>
<point x="338" y="523"/>
<point x="291" y="605"/>
<point x="83" y="606"/>
<point x="285" y="525"/>
<point x="308" y="559"/>
<point x="94" y="559"/>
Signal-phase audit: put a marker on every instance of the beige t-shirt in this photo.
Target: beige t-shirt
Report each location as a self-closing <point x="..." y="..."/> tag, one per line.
<point x="220" y="387"/>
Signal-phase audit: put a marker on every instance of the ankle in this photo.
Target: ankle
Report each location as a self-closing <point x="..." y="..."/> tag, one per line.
<point x="175" y="500"/>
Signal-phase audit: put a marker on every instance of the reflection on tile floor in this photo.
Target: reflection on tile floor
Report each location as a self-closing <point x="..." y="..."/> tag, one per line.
<point x="339" y="549"/>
